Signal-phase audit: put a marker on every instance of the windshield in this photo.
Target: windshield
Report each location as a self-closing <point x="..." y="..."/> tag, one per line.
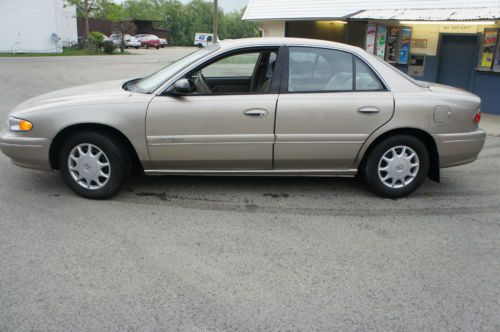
<point x="150" y="83"/>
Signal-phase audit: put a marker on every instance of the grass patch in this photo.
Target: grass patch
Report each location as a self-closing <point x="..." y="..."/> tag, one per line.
<point x="66" y="52"/>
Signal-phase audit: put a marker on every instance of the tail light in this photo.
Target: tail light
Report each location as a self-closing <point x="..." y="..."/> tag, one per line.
<point x="477" y="117"/>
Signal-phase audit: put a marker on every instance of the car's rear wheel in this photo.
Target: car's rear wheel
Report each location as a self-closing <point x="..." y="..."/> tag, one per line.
<point x="94" y="165"/>
<point x="157" y="47"/>
<point x="397" y="166"/>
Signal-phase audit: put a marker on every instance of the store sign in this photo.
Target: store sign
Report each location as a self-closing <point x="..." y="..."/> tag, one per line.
<point x="490" y="37"/>
<point x="380" y="41"/>
<point x="404" y="48"/>
<point x="391" y="54"/>
<point x="419" y="43"/>
<point x="370" y="38"/>
<point x="459" y="28"/>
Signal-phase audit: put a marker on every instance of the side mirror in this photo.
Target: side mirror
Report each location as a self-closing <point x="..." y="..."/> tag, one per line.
<point x="181" y="87"/>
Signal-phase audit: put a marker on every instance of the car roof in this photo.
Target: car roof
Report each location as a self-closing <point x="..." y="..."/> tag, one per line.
<point x="285" y="41"/>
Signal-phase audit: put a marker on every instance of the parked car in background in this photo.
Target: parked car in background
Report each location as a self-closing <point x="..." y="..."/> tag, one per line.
<point x="341" y="112"/>
<point x="116" y="38"/>
<point x="163" y="42"/>
<point x="202" y="39"/>
<point x="142" y="35"/>
<point x="150" y="41"/>
<point x="132" y="42"/>
<point x="139" y="36"/>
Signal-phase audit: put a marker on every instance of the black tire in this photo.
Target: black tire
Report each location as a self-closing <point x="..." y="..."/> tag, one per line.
<point x="114" y="150"/>
<point x="370" y="168"/>
<point x="157" y="47"/>
<point x="137" y="47"/>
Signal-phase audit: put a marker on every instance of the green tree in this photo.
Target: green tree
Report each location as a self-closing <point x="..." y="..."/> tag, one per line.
<point x="84" y="8"/>
<point x="109" y="10"/>
<point x="183" y="20"/>
<point x="232" y="26"/>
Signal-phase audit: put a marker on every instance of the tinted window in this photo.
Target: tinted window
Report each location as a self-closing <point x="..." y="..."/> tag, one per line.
<point x="315" y="69"/>
<point x="366" y="80"/>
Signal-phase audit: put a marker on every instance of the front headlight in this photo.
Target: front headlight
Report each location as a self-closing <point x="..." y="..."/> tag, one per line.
<point x="16" y="124"/>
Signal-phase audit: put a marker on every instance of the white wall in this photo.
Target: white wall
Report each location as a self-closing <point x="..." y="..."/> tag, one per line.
<point x="68" y="28"/>
<point x="27" y="25"/>
<point x="273" y="29"/>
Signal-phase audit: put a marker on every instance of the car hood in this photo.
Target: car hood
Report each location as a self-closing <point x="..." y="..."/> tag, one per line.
<point x="110" y="91"/>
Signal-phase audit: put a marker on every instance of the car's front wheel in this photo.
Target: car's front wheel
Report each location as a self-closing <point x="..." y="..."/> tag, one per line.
<point x="94" y="165"/>
<point x="397" y="166"/>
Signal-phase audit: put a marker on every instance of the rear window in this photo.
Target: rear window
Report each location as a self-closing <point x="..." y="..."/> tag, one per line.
<point x="407" y="77"/>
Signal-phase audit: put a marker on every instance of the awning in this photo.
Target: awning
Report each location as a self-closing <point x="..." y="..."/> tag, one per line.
<point x="460" y="14"/>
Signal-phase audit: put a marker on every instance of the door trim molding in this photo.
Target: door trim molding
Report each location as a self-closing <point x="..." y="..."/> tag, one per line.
<point x="210" y="139"/>
<point x="266" y="172"/>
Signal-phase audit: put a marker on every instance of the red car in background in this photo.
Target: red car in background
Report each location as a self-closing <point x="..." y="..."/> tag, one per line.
<point x="150" y="41"/>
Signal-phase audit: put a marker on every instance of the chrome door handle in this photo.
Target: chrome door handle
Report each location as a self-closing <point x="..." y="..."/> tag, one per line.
<point x="368" y="110"/>
<point x="255" y="113"/>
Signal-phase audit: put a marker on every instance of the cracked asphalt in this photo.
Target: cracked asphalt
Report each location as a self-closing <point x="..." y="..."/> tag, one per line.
<point x="236" y="253"/>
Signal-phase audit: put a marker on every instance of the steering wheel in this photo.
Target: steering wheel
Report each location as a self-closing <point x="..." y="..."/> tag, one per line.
<point x="201" y="84"/>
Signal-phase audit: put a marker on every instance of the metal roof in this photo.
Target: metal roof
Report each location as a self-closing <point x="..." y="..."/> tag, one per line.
<point x="438" y="14"/>
<point x="265" y="10"/>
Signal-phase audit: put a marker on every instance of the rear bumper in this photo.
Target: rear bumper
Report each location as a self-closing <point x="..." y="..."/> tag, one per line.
<point x="30" y="152"/>
<point x="459" y="148"/>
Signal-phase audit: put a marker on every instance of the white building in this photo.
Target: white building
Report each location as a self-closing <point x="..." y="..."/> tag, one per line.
<point x="41" y="26"/>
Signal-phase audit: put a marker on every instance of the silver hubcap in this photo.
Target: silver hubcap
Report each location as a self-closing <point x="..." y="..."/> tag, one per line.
<point x="398" y="167"/>
<point x="89" y="166"/>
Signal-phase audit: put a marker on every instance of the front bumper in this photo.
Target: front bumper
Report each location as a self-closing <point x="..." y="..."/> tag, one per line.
<point x="459" y="148"/>
<point x="30" y="152"/>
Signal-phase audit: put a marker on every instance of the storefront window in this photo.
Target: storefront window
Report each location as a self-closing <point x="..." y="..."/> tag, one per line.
<point x="391" y="44"/>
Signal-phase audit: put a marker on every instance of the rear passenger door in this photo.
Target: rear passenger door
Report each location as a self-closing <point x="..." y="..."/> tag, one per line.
<point x="324" y="115"/>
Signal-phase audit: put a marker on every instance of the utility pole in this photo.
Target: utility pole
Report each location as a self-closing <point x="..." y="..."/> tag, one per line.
<point x="216" y="11"/>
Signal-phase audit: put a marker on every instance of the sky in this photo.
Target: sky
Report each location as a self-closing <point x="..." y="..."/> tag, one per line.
<point x="227" y="5"/>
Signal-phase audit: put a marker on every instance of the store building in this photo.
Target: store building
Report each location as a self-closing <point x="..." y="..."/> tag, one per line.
<point x="450" y="42"/>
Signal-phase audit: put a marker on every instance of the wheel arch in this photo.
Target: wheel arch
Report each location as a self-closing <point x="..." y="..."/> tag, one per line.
<point x="425" y="137"/>
<point x="56" y="144"/>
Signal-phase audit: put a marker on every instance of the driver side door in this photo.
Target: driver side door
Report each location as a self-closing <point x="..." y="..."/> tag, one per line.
<point x="230" y="126"/>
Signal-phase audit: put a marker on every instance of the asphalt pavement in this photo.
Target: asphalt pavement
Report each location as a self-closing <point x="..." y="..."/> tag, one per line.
<point x="237" y="253"/>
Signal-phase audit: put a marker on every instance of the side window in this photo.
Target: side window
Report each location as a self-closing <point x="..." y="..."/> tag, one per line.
<point x="316" y="69"/>
<point x="366" y="80"/>
<point x="237" y="73"/>
<point x="239" y="65"/>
